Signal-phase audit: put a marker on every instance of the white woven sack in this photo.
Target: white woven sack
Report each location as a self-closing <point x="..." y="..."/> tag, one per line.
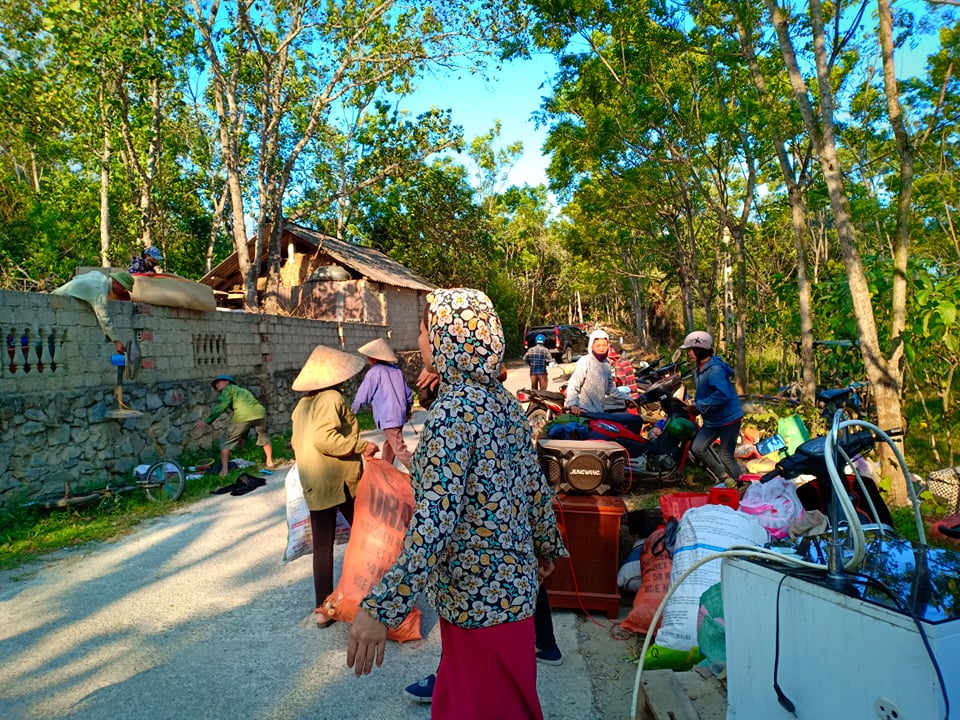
<point x="703" y="531"/>
<point x="299" y="535"/>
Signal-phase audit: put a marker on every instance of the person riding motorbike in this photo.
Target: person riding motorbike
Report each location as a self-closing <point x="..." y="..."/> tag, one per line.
<point x="592" y="377"/>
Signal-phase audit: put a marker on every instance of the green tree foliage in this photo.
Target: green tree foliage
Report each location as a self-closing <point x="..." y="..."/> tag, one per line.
<point x="430" y="223"/>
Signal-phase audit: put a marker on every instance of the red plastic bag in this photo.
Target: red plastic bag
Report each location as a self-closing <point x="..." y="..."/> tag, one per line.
<point x="381" y="512"/>
<point x="655" y="567"/>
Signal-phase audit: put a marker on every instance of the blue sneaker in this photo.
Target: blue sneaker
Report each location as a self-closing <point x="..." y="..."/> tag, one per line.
<point x="553" y="656"/>
<point x="422" y="690"/>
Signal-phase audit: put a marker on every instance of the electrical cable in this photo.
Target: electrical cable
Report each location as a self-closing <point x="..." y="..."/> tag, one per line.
<point x="785" y="702"/>
<point x="756" y="552"/>
<point x="856" y="532"/>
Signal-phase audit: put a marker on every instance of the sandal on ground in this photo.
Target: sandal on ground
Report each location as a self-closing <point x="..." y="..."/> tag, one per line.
<point x="323" y="620"/>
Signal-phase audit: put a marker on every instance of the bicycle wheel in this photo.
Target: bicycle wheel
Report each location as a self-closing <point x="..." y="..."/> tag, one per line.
<point x="164" y="481"/>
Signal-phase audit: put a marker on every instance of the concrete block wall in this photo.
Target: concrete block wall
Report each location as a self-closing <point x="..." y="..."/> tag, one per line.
<point x="57" y="383"/>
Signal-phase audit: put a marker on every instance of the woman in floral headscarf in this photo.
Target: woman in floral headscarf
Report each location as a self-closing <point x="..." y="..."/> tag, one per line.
<point x="483" y="528"/>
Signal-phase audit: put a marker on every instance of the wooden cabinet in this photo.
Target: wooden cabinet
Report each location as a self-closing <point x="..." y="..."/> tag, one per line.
<point x="587" y="580"/>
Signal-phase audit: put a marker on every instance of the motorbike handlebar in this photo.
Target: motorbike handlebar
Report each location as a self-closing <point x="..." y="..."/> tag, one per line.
<point x="660" y="390"/>
<point x="810" y="453"/>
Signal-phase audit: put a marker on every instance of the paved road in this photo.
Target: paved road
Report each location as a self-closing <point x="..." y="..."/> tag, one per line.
<point x="194" y="616"/>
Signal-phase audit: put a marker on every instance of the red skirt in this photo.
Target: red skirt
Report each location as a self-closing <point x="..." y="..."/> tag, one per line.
<point x="487" y="673"/>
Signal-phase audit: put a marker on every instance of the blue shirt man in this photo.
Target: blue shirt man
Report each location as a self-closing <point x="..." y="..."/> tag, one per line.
<point x="538" y="357"/>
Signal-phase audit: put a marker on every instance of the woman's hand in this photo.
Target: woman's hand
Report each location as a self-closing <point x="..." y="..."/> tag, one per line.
<point x="545" y="568"/>
<point x="370" y="450"/>
<point x="427" y="379"/>
<point x="366" y="644"/>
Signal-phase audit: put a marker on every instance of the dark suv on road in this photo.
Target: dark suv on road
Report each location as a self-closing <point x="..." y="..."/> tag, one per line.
<point x="563" y="341"/>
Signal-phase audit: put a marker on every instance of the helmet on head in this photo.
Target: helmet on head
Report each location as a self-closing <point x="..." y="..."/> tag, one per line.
<point x="698" y="339"/>
<point x="540" y="339"/>
<point x="153" y="252"/>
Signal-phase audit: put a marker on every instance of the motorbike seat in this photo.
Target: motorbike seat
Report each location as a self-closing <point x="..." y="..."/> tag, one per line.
<point x="552" y="395"/>
<point x="834" y="393"/>
<point x="632" y="422"/>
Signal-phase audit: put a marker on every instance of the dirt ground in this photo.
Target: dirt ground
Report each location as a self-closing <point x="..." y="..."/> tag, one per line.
<point x="609" y="654"/>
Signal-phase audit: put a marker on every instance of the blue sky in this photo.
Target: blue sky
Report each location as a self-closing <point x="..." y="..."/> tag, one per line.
<point x="515" y="93"/>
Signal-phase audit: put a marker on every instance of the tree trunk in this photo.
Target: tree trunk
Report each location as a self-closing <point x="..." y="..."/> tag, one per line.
<point x="105" y="197"/>
<point x="881" y="374"/>
<point x="271" y="299"/>
<point x="153" y="159"/>
<point x="801" y="228"/>
<point x="801" y="231"/>
<point x="216" y="222"/>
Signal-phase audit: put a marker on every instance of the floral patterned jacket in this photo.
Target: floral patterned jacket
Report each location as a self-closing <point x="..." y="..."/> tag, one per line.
<point x="483" y="509"/>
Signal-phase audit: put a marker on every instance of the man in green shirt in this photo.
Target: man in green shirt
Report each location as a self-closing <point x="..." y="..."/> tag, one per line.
<point x="247" y="413"/>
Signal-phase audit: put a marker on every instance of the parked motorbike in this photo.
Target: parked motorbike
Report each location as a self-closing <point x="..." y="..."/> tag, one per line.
<point x="543" y="406"/>
<point x="658" y="450"/>
<point x="656" y="432"/>
<point x="853" y="398"/>
<point x="809" y="459"/>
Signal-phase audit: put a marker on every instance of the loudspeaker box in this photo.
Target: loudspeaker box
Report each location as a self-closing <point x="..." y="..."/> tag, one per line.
<point x="584" y="467"/>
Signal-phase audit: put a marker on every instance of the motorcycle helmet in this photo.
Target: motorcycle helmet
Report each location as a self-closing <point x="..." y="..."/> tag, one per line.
<point x="680" y="429"/>
<point x="698" y="339"/>
<point x="539" y="339"/>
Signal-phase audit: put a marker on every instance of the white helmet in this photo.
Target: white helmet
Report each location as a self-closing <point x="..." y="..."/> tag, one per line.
<point x="698" y="339"/>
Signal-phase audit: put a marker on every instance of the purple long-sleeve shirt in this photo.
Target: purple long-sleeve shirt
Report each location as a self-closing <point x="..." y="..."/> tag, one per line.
<point x="385" y="390"/>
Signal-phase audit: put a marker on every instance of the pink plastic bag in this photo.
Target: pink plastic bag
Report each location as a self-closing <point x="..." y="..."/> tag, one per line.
<point x="774" y="504"/>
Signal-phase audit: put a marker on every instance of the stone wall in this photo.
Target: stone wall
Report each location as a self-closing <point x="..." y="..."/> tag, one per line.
<point x="57" y="383"/>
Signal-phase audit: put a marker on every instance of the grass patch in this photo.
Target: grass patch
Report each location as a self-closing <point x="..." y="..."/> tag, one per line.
<point x="29" y="532"/>
<point x="365" y="420"/>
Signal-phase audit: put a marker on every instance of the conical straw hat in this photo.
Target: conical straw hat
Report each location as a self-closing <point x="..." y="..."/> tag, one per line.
<point x="325" y="368"/>
<point x="378" y="350"/>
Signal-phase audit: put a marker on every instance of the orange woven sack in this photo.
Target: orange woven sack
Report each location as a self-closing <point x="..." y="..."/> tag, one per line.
<point x="655" y="567"/>
<point x="381" y="511"/>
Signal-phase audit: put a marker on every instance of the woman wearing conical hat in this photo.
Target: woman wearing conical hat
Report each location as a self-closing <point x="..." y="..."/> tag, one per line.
<point x="328" y="448"/>
<point x="390" y="398"/>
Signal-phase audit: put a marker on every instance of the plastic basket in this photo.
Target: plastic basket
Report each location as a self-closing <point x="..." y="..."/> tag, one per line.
<point x="945" y="484"/>
<point x="725" y="496"/>
<point x="675" y="505"/>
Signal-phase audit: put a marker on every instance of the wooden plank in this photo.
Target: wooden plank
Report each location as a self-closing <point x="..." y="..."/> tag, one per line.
<point x="669" y="695"/>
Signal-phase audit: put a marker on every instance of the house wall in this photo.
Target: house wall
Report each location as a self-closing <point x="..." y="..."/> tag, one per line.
<point x="57" y="383"/>
<point x="361" y="301"/>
